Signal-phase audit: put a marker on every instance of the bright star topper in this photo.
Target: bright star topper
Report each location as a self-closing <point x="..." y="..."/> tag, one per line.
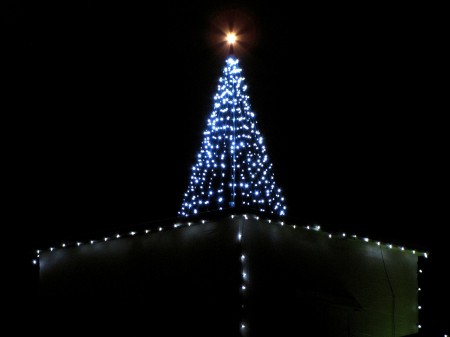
<point x="231" y="38"/>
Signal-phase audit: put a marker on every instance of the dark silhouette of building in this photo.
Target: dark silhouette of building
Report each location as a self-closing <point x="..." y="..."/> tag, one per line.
<point x="231" y="273"/>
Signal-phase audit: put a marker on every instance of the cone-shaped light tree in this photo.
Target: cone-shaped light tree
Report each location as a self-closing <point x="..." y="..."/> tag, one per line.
<point x="232" y="168"/>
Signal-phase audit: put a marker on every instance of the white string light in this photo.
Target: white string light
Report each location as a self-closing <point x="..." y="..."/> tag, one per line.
<point x="232" y="167"/>
<point x="244" y="276"/>
<point x="176" y="226"/>
<point x="243" y="257"/>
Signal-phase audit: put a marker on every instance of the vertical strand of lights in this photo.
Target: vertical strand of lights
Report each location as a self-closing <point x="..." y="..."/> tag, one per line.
<point x="233" y="150"/>
<point x="420" y="266"/>
<point x="244" y="281"/>
<point x="232" y="167"/>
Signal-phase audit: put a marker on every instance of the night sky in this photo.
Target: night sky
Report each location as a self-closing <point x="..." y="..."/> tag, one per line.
<point x="113" y="99"/>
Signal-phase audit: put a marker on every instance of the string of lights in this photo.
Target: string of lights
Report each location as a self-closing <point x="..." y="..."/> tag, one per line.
<point x="179" y="225"/>
<point x="243" y="325"/>
<point x="244" y="284"/>
<point x="232" y="168"/>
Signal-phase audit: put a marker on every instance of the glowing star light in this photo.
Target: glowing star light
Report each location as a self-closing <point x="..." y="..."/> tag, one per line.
<point x="231" y="38"/>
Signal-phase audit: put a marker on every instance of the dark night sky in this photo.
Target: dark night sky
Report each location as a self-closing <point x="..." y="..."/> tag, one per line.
<point x="113" y="100"/>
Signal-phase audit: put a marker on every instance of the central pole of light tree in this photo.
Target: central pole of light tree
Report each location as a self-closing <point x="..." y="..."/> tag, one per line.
<point x="231" y="39"/>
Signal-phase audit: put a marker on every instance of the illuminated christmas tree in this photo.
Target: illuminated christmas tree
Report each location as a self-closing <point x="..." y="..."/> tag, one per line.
<point x="232" y="167"/>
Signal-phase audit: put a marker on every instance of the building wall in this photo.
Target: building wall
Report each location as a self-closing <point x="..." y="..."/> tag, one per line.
<point x="330" y="287"/>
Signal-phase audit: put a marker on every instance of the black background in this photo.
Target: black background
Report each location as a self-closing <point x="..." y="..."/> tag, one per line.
<point x="111" y="100"/>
